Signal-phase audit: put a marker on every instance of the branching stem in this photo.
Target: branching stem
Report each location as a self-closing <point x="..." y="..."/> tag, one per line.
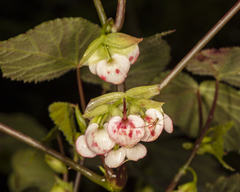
<point x="197" y="143"/>
<point x="179" y="67"/>
<point x="100" y="180"/>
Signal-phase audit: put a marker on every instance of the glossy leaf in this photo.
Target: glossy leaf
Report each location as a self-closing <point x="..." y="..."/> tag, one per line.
<point x="153" y="58"/>
<point x="223" y="64"/>
<point x="225" y="184"/>
<point x="63" y="116"/>
<point x="30" y="172"/>
<point x="227" y="109"/>
<point x="47" y="51"/>
<point x="180" y="102"/>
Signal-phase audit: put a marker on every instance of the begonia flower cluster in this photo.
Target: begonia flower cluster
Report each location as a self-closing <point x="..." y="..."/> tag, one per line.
<point x="119" y="139"/>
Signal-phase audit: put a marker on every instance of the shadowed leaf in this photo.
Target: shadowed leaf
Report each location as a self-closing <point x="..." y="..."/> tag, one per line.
<point x="224" y="184"/>
<point x="180" y="98"/>
<point x="227" y="109"/>
<point x="223" y="64"/>
<point x="47" y="51"/>
<point x="30" y="172"/>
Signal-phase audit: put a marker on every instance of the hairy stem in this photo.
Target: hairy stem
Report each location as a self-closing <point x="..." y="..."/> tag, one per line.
<point x="197" y="143"/>
<point x="178" y="68"/>
<point x="119" y="20"/>
<point x="101" y="13"/>
<point x="100" y="180"/>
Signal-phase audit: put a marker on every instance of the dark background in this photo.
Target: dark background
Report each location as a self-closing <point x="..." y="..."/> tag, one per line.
<point x="191" y="18"/>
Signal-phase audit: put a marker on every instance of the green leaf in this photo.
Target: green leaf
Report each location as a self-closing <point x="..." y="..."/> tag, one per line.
<point x="180" y="98"/>
<point x="153" y="58"/>
<point x="24" y="124"/>
<point x="47" y="51"/>
<point x="223" y="64"/>
<point x="227" y="109"/>
<point x="63" y="116"/>
<point x="30" y="172"/>
<point x="213" y="143"/>
<point x="217" y="142"/>
<point x="225" y="184"/>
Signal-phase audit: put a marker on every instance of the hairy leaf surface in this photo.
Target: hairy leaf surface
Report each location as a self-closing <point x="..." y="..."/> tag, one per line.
<point x="63" y="116"/>
<point x="47" y="51"/>
<point x="223" y="64"/>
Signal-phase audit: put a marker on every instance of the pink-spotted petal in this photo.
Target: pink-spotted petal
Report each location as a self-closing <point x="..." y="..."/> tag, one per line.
<point x="82" y="147"/>
<point x="133" y="55"/>
<point x="153" y="125"/>
<point x="115" y="158"/>
<point x="168" y="124"/>
<point x="115" y="71"/>
<point x="98" y="139"/>
<point x="136" y="152"/>
<point x="126" y="133"/>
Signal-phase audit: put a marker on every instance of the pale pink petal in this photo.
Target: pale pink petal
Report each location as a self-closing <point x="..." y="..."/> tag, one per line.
<point x="168" y="124"/>
<point x="136" y="152"/>
<point x="126" y="133"/>
<point x="133" y="55"/>
<point x="98" y="139"/>
<point x="82" y="147"/>
<point x="154" y="125"/>
<point x="93" y="68"/>
<point x="115" y="71"/>
<point x="115" y="158"/>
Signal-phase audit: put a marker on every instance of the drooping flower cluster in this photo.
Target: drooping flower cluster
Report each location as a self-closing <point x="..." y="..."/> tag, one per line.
<point x="111" y="55"/>
<point x="119" y="139"/>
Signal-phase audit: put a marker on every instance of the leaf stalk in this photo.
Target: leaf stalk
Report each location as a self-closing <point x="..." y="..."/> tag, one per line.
<point x="197" y="143"/>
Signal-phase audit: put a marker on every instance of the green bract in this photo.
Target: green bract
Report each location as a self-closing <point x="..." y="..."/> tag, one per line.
<point x="106" y="45"/>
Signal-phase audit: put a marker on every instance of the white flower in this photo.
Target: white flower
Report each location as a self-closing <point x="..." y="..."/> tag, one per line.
<point x="126" y="133"/>
<point x="113" y="71"/>
<point x="115" y="158"/>
<point x="95" y="141"/>
<point x="153" y="125"/>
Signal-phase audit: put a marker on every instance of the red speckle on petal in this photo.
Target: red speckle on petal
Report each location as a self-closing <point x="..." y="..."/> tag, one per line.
<point x="117" y="71"/>
<point x="103" y="78"/>
<point x="153" y="133"/>
<point x="108" y="72"/>
<point x="131" y="58"/>
<point x="94" y="144"/>
<point x="131" y="124"/>
<point x="148" y="119"/>
<point x="130" y="133"/>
